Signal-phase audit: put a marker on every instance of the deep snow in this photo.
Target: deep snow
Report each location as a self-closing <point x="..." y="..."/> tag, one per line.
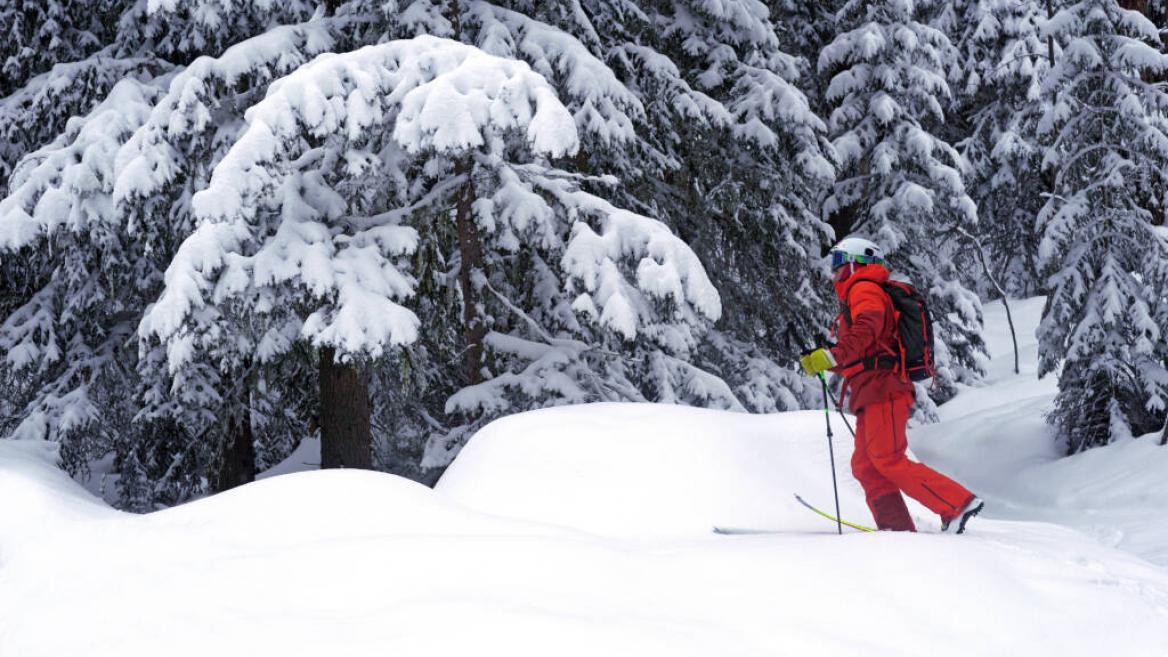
<point x="644" y="470"/>
<point x="995" y="439"/>
<point x="607" y="549"/>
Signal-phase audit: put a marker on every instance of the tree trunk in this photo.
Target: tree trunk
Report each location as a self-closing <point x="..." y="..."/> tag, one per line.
<point x="345" y="439"/>
<point x="470" y="249"/>
<point x="1050" y="39"/>
<point x="985" y="265"/>
<point x="237" y="462"/>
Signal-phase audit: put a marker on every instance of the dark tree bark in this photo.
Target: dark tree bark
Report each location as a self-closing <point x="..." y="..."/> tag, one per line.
<point x="345" y="439"/>
<point x="1050" y="39"/>
<point x="470" y="249"/>
<point x="985" y="265"/>
<point x="237" y="462"/>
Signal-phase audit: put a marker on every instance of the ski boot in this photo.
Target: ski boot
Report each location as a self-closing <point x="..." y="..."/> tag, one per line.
<point x="956" y="524"/>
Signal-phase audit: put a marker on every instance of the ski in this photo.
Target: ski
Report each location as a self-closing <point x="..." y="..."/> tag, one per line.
<point x="744" y="531"/>
<point x="833" y="518"/>
<point x="750" y="531"/>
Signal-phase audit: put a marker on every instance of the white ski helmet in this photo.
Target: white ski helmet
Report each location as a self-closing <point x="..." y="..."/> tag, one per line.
<point x="856" y="250"/>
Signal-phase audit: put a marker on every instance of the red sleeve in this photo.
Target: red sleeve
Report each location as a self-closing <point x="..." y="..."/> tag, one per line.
<point x="866" y="303"/>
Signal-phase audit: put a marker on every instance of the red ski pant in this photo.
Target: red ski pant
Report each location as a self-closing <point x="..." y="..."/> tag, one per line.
<point x="880" y="465"/>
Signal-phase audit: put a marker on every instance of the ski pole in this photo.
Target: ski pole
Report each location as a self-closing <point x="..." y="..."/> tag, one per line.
<point x="831" y="452"/>
<point x="845" y="418"/>
<point x="841" y="411"/>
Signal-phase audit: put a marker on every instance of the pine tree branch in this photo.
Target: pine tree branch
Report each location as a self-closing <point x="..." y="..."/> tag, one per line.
<point x="1001" y="293"/>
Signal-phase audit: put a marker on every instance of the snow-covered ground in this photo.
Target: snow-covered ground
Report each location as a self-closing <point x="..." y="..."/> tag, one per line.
<point x="995" y="439"/>
<point x="586" y="531"/>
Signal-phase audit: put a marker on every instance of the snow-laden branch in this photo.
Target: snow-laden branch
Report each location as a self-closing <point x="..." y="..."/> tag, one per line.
<point x="433" y="96"/>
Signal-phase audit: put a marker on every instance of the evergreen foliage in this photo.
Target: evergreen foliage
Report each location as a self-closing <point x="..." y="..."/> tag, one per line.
<point x="477" y="208"/>
<point x="901" y="184"/>
<point x="996" y="82"/>
<point x="1103" y="249"/>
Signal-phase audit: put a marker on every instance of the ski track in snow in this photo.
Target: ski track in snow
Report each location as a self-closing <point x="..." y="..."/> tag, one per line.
<point x="586" y="531"/>
<point x="994" y="438"/>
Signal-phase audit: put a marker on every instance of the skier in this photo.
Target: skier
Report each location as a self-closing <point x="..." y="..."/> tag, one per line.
<point x="881" y="396"/>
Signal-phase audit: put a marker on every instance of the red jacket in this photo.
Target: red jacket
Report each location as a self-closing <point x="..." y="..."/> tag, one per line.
<point x="872" y="332"/>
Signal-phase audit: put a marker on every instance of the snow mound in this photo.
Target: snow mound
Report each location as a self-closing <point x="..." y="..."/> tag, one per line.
<point x="35" y="494"/>
<point x="631" y="470"/>
<point x="339" y="504"/>
<point x="359" y="563"/>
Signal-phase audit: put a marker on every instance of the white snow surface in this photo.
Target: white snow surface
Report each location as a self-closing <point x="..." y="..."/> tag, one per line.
<point x="646" y="470"/>
<point x="607" y="549"/>
<point x="995" y="439"/>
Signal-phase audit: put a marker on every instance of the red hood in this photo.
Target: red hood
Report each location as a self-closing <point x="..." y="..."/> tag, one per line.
<point x="874" y="273"/>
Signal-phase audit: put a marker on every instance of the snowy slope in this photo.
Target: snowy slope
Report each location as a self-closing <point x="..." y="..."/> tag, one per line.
<point x="995" y="439"/>
<point x="644" y="470"/>
<point x="360" y="563"/>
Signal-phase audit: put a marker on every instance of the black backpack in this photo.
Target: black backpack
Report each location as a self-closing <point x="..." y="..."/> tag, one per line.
<point x="914" y="333"/>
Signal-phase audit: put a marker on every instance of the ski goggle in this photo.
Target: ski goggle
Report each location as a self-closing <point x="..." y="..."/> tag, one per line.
<point x="841" y="258"/>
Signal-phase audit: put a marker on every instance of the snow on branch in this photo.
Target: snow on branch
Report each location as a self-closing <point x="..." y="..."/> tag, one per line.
<point x="665" y="267"/>
<point x="433" y="96"/>
<point x="67" y="184"/>
<point x="38" y="112"/>
<point x="600" y="103"/>
<point x="203" y="100"/>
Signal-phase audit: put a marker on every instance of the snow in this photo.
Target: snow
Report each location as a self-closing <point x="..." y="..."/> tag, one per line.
<point x="38" y="496"/>
<point x="995" y="439"/>
<point x="637" y="470"/>
<point x="437" y="94"/>
<point x="585" y="530"/>
<point x="601" y="104"/>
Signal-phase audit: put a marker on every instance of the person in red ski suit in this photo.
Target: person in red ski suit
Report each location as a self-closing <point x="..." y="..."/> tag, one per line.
<point x="881" y="398"/>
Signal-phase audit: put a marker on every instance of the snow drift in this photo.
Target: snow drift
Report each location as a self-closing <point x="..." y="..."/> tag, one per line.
<point x="360" y="563"/>
<point x="634" y="470"/>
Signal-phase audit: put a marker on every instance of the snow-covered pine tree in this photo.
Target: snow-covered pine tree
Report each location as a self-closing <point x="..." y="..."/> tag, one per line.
<point x="901" y="184"/>
<point x="110" y="198"/>
<point x="208" y="416"/>
<point x="1103" y="249"/>
<point x="804" y="28"/>
<point x="66" y="332"/>
<point x="55" y="62"/>
<point x="36" y="113"/>
<point x="690" y="103"/>
<point x="174" y="442"/>
<point x="753" y="186"/>
<point x="357" y="162"/>
<point x="41" y="33"/>
<point x="993" y="117"/>
<point x="417" y="388"/>
<point x="731" y="154"/>
<point x="696" y="79"/>
<point x="64" y="56"/>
